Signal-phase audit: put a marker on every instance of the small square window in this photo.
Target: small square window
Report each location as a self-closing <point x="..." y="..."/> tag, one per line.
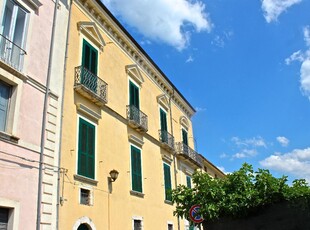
<point x="137" y="225"/>
<point x="85" y="196"/>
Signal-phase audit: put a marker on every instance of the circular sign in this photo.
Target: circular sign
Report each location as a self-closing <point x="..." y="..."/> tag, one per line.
<point x="193" y="214"/>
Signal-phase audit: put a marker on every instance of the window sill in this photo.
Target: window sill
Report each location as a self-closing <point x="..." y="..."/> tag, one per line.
<point x="168" y="202"/>
<point x="85" y="179"/>
<point x="138" y="194"/>
<point x="8" y="137"/>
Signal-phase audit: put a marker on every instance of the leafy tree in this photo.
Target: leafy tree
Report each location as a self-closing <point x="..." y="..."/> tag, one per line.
<point x="238" y="194"/>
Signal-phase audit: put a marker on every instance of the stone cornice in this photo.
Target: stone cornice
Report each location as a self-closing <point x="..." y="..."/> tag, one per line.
<point x="108" y="24"/>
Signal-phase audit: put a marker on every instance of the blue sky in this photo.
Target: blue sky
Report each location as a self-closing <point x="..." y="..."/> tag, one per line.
<point x="244" y="65"/>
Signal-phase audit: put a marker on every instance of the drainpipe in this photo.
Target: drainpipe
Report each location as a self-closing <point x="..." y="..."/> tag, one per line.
<point x="48" y="80"/>
<point x="174" y="153"/>
<point x="61" y="118"/>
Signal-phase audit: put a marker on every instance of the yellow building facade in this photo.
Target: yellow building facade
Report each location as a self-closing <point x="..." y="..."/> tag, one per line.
<point x="121" y="115"/>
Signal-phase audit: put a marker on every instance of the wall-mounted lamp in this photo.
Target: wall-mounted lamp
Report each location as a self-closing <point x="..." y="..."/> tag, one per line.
<point x="113" y="175"/>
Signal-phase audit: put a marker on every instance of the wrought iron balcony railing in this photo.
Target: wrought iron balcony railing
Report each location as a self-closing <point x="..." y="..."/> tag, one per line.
<point x="11" y="54"/>
<point x="184" y="150"/>
<point x="166" y="139"/>
<point x="137" y="118"/>
<point x="90" y="85"/>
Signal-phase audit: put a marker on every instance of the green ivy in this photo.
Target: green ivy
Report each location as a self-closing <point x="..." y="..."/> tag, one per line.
<point x="238" y="194"/>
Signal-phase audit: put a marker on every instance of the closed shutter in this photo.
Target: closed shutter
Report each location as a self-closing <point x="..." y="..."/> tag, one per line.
<point x="134" y="95"/>
<point x="89" y="57"/>
<point x="188" y="182"/>
<point x="4" y="103"/>
<point x="167" y="178"/>
<point x="136" y="169"/>
<point x="86" y="151"/>
<point x="184" y="137"/>
<point x="163" y="126"/>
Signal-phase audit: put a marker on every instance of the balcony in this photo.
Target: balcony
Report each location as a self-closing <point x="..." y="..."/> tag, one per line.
<point x="166" y="140"/>
<point x="188" y="154"/>
<point x="136" y="118"/>
<point x="11" y="54"/>
<point x="90" y="86"/>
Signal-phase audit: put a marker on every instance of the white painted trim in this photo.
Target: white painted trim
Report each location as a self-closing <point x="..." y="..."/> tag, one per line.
<point x="136" y="140"/>
<point x="87" y="111"/>
<point x="13" y="223"/>
<point x="84" y="220"/>
<point x="171" y="223"/>
<point x="137" y="218"/>
<point x="77" y="143"/>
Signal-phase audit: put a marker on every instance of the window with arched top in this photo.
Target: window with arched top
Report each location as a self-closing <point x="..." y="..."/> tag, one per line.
<point x="84" y="227"/>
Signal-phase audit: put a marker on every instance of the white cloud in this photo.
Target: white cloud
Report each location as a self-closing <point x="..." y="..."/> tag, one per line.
<point x="296" y="56"/>
<point x="296" y="163"/>
<point x="250" y="142"/>
<point x="307" y="35"/>
<point x="171" y="22"/>
<point x="283" y="141"/>
<point x="304" y="58"/>
<point x="273" y="8"/>
<point x="199" y="109"/>
<point x="189" y="59"/>
<point x="244" y="153"/>
<point x="305" y="77"/>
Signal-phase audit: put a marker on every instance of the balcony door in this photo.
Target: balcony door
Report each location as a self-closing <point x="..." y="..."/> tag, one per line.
<point x="163" y="126"/>
<point x="13" y="31"/>
<point x="89" y="63"/>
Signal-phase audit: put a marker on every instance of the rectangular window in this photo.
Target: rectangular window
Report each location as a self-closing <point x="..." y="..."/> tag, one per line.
<point x="85" y="197"/>
<point x="163" y="126"/>
<point x="86" y="149"/>
<point x="89" y="57"/>
<point x="5" y="93"/>
<point x="167" y="179"/>
<point x="4" y="218"/>
<point x="134" y="95"/>
<point x="136" y="169"/>
<point x="184" y="137"/>
<point x="13" y="31"/>
<point x="137" y="224"/>
<point x="188" y="181"/>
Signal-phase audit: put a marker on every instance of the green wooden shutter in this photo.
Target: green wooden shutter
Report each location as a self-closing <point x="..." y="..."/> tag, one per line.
<point x="136" y="171"/>
<point x="188" y="182"/>
<point x="167" y="178"/>
<point x="89" y="57"/>
<point x="163" y="120"/>
<point x="184" y="137"/>
<point x="5" y="91"/>
<point x="86" y="151"/>
<point x="134" y="95"/>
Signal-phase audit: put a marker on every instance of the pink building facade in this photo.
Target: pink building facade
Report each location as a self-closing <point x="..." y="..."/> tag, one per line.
<point x="32" y="55"/>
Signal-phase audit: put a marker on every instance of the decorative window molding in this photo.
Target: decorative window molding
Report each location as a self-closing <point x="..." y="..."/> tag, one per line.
<point x="184" y="122"/>
<point x="14" y="211"/>
<point x="134" y="73"/>
<point x="163" y="101"/>
<point x="167" y="158"/>
<point x="84" y="109"/>
<point x="136" y="140"/>
<point x="84" y="220"/>
<point x="91" y="31"/>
